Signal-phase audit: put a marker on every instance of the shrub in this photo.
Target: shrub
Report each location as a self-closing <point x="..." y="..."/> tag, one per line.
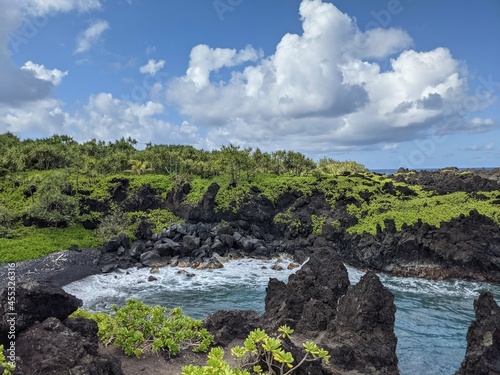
<point x="112" y="225"/>
<point x="259" y="349"/>
<point x="52" y="206"/>
<point x="140" y="329"/>
<point x="6" y="367"/>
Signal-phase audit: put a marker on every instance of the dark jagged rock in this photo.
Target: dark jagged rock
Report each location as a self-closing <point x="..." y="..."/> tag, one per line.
<point x="46" y="345"/>
<point x="118" y="193"/>
<point x="307" y="368"/>
<point x="254" y="209"/>
<point x="361" y="337"/>
<point x="227" y="326"/>
<point x="144" y="231"/>
<point x="50" y="347"/>
<point x="451" y="180"/>
<point x="35" y="302"/>
<point x="482" y="356"/>
<point x="317" y="285"/>
<point x="203" y="212"/>
<point x="146" y="198"/>
<point x="465" y="247"/>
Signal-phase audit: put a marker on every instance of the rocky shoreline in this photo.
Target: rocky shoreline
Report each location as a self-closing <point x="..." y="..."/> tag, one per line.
<point x="355" y="323"/>
<point x="318" y="302"/>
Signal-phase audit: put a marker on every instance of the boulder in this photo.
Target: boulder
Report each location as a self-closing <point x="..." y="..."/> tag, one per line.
<point x="136" y="249"/>
<point x="150" y="257"/>
<point x="51" y="347"/>
<point x="482" y="356"/>
<point x="227" y="326"/>
<point x="35" y="302"/>
<point x="190" y="243"/>
<point x="113" y="244"/>
<point x="167" y="247"/>
<point x="361" y="337"/>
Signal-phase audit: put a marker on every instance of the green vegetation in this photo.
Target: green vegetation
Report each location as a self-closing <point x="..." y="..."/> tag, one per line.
<point x="50" y="189"/>
<point x="140" y="329"/>
<point x="429" y="208"/>
<point x="259" y="349"/>
<point x="317" y="224"/>
<point x="6" y="367"/>
<point x="32" y="242"/>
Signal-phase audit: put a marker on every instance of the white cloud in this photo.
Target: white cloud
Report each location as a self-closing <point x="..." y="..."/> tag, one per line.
<point x="204" y="60"/>
<point x="54" y="76"/>
<point x="324" y="89"/>
<point x="152" y="67"/>
<point x="390" y="147"/>
<point x="41" y="116"/>
<point x="45" y="7"/>
<point x="484" y="147"/>
<point x="103" y="117"/>
<point x="88" y="38"/>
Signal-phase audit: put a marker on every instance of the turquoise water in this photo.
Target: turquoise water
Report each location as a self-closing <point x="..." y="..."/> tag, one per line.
<point x="432" y="318"/>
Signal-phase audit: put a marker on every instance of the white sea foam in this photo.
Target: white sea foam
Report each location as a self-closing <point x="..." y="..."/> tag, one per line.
<point x="242" y="280"/>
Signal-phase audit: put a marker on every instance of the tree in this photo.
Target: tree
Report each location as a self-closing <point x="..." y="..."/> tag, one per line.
<point x="139" y="167"/>
<point x="53" y="205"/>
<point x="234" y="161"/>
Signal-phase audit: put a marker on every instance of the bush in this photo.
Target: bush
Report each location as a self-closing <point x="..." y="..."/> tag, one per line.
<point x="140" y="329"/>
<point x="52" y="206"/>
<point x="112" y="225"/>
<point x="6" y="367"/>
<point x="259" y="349"/>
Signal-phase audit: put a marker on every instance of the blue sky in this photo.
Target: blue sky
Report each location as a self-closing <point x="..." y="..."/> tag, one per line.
<point x="387" y="83"/>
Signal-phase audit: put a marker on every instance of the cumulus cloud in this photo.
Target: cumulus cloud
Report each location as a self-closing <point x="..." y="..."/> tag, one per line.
<point x="31" y="83"/>
<point x="103" y="117"/>
<point x="88" y="38"/>
<point x="324" y="89"/>
<point x="152" y="67"/>
<point x="54" y="76"/>
<point x="44" y="7"/>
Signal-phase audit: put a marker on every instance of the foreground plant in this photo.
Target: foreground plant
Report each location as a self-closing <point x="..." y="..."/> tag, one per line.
<point x="140" y="329"/>
<point x="6" y="368"/>
<point x="259" y="354"/>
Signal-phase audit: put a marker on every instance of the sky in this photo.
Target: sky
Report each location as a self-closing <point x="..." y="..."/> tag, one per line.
<point x="387" y="83"/>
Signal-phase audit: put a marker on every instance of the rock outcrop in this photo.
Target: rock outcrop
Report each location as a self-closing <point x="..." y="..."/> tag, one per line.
<point x="450" y="180"/>
<point x="63" y="348"/>
<point x="482" y="356"/>
<point x="47" y="341"/>
<point x="227" y="326"/>
<point x="465" y="247"/>
<point x="361" y="337"/>
<point x="35" y="302"/>
<point x="309" y="300"/>
<point x="355" y="323"/>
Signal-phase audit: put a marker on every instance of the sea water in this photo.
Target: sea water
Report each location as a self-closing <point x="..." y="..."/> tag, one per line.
<point x="432" y="317"/>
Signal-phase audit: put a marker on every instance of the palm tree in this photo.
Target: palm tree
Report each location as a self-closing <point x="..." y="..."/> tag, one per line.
<point x="139" y="167"/>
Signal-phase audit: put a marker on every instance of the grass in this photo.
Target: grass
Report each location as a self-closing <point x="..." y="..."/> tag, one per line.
<point x="35" y="242"/>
